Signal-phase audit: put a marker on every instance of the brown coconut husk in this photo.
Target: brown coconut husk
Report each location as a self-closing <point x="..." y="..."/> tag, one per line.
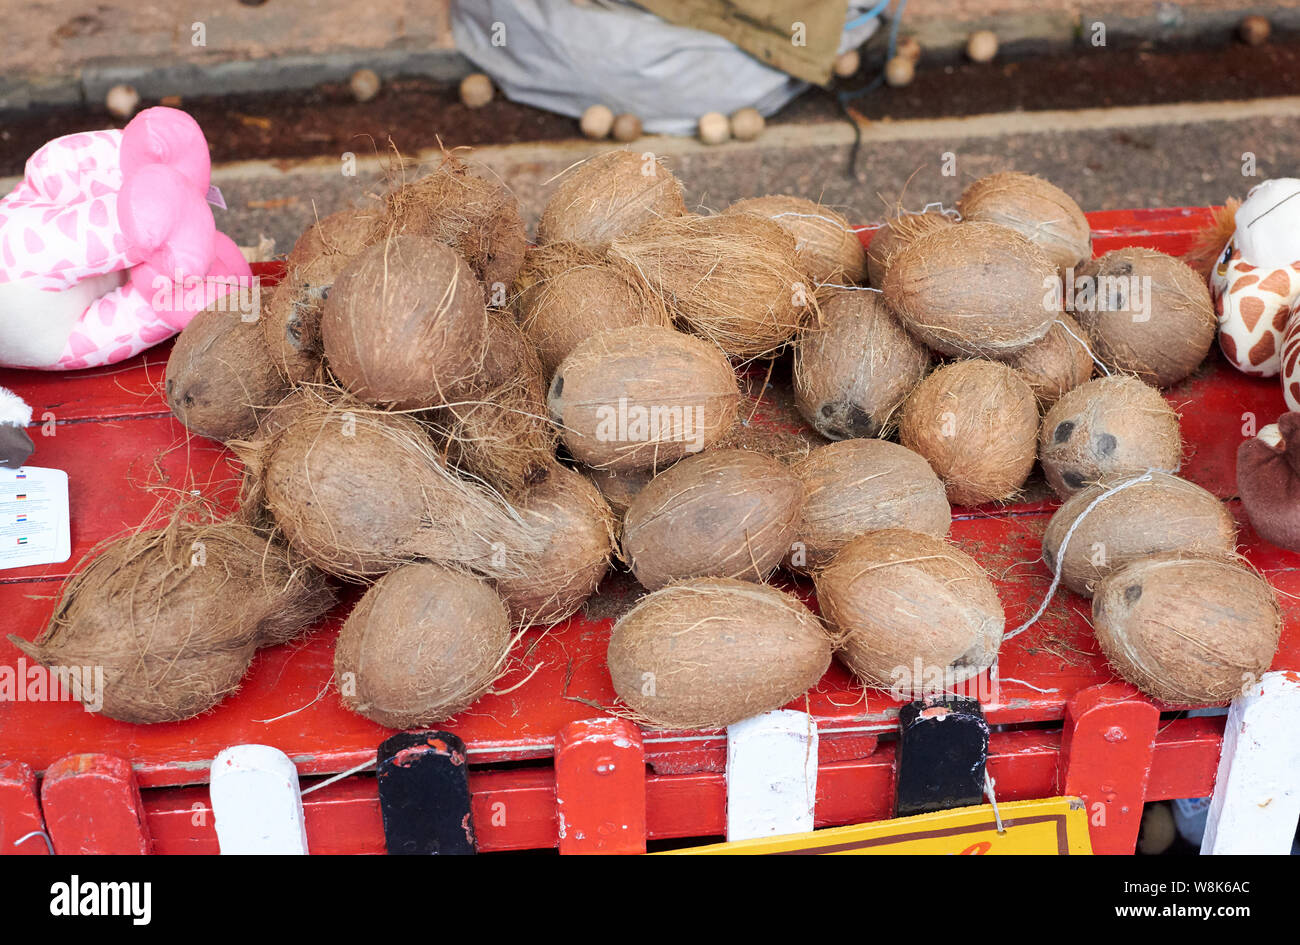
<point x="898" y="597"/>
<point x="578" y="529"/>
<point x="174" y="615"/>
<point x="1061" y="361"/>
<point x="644" y="369"/>
<point x="725" y="513"/>
<point x="1211" y="239"/>
<point x="852" y="373"/>
<point x="733" y="279"/>
<point x="405" y="325"/>
<point x="607" y="197"/>
<point x="567" y="293"/>
<point x="477" y="217"/>
<point x="220" y="376"/>
<point x="974" y="290"/>
<point x="252" y="498"/>
<point x="360" y="491"/>
<point x="1185" y="630"/>
<point x="497" y="427"/>
<point x="828" y="246"/>
<point x="1162" y="337"/>
<point x="618" y="489"/>
<point x="705" y="653"/>
<point x="864" y="485"/>
<point x="292" y="310"/>
<point x="1144" y="518"/>
<point x="1108" y="425"/>
<point x="976" y="423"/>
<point x="420" y="646"/>
<point x="1036" y="208"/>
<point x="898" y="232"/>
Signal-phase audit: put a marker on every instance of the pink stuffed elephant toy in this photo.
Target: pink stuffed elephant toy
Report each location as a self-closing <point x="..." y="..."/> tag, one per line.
<point x="108" y="245"/>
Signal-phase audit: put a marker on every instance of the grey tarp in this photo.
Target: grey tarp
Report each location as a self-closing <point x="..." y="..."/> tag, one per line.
<point x="565" y="57"/>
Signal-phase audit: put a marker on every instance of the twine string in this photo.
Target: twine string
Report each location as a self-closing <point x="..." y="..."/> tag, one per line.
<point x="1065" y="542"/>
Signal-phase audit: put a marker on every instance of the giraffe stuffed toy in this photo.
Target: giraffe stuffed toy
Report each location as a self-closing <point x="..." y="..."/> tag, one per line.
<point x="1255" y="284"/>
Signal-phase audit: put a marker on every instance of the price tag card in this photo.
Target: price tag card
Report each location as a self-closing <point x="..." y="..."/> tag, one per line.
<point x="1055" y="826"/>
<point x="33" y="517"/>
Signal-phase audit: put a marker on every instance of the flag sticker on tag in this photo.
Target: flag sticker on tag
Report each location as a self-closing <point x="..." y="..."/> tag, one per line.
<point x="34" y="521"/>
<point x="215" y="198"/>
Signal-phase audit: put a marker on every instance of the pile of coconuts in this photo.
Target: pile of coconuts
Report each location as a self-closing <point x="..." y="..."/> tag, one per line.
<point x="478" y="430"/>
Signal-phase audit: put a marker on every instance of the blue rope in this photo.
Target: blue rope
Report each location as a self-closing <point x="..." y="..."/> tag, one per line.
<point x="846" y="96"/>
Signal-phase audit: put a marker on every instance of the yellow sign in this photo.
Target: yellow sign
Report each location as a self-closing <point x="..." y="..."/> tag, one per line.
<point x="1054" y="826"/>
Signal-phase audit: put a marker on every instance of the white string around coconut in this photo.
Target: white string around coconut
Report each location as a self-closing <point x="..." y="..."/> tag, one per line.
<point x="950" y="212"/>
<point x="851" y="288"/>
<point x="1065" y="542"/>
<point x="1084" y="345"/>
<point x="364" y="766"/>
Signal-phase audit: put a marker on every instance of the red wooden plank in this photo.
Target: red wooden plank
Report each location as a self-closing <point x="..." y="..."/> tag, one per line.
<point x="20" y="813"/>
<point x="516" y="809"/>
<point x="132" y="388"/>
<point x="125" y="472"/>
<point x="92" y="805"/>
<point x="1107" y="748"/>
<point x="600" y="791"/>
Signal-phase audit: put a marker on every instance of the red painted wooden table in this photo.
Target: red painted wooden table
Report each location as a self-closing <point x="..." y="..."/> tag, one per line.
<point x="1062" y="722"/>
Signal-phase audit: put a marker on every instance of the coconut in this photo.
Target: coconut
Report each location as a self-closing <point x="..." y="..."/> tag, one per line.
<point x="897" y="233"/>
<point x="828" y="246"/>
<point x="477" y="217"/>
<point x="497" y="427"/>
<point x="618" y="489"/>
<point x="1061" y="361"/>
<point x="977" y="289"/>
<point x="577" y="526"/>
<point x="567" y="293"/>
<point x="220" y="376"/>
<point x="915" y="613"/>
<point x="861" y="485"/>
<point x="612" y="195"/>
<point x="421" y="645"/>
<point x="733" y="279"/>
<point x="853" y="371"/>
<point x="175" y="615"/>
<point x="1165" y="513"/>
<point x="290" y="407"/>
<point x="292" y="310"/>
<point x="708" y="652"/>
<point x="1187" y="631"/>
<point x="360" y="491"/>
<point x="1110" y="425"/>
<point x="405" y="324"/>
<point x="976" y="423"/>
<point x="725" y="513"/>
<point x="642" y="398"/>
<point x="1035" y="208"/>
<point x="1146" y="314"/>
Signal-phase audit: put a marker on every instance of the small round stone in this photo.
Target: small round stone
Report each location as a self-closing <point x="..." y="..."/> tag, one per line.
<point x="899" y="71"/>
<point x="714" y="128"/>
<point x="364" y="84"/>
<point x="747" y="124"/>
<point x="122" y="101"/>
<point x="982" y="46"/>
<point x="627" y="127"/>
<point x="476" y="90"/>
<point x="597" y="122"/>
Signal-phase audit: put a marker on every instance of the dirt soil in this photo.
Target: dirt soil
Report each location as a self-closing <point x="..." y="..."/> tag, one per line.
<point x="417" y="113"/>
